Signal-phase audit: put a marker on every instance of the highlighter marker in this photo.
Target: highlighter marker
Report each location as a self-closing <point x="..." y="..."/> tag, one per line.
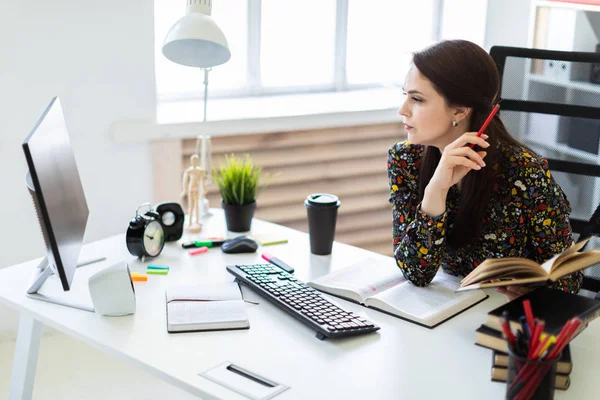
<point x="157" y="271"/>
<point x="158" y="267"/>
<point x="197" y="251"/>
<point x="136" y="277"/>
<point x="278" y="262"/>
<point x="207" y="243"/>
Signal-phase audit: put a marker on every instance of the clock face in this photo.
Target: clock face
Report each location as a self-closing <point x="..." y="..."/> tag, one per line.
<point x="154" y="238"/>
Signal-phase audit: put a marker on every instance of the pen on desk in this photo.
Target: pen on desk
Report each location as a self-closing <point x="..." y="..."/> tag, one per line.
<point x="277" y="262"/>
<point x="487" y="122"/>
<point x="204" y="243"/>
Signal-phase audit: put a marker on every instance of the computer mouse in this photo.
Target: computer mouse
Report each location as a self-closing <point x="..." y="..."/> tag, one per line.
<point x="240" y="244"/>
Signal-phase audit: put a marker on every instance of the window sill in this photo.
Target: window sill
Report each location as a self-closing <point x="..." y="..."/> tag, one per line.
<point x="234" y="116"/>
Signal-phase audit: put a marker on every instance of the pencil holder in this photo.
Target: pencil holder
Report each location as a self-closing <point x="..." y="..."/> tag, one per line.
<point x="529" y="379"/>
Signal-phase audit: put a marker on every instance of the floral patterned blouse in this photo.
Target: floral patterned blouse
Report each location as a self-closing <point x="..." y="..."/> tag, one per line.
<point x="527" y="216"/>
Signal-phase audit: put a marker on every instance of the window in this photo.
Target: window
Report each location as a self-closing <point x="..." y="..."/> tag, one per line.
<point x="297" y="43"/>
<point x="382" y="34"/>
<point x="314" y="45"/>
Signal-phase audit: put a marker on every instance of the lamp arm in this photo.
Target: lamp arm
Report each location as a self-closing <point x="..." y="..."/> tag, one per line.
<point x="205" y="90"/>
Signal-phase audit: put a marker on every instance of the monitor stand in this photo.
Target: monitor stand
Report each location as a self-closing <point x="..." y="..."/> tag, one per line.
<point x="42" y="272"/>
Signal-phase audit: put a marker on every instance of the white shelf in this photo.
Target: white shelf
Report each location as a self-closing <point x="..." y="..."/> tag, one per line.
<point x="564" y="149"/>
<point x="569" y="6"/>
<point x="577" y="85"/>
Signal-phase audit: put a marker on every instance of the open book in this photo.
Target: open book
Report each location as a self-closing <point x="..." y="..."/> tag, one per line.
<point x="204" y="307"/>
<point x="506" y="271"/>
<point x="379" y="284"/>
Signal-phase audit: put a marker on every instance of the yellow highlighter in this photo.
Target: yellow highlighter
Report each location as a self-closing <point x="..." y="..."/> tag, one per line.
<point x="137" y="277"/>
<point x="548" y="343"/>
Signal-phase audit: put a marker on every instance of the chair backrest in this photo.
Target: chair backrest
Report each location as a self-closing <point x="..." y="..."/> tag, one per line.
<point x="550" y="101"/>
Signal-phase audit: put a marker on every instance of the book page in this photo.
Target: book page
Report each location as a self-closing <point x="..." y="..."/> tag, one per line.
<point x="365" y="278"/>
<point x="204" y="291"/>
<point x="205" y="312"/>
<point x="427" y="305"/>
<point x="558" y="259"/>
<point x="492" y="267"/>
<point x="574" y="263"/>
<point x="492" y="283"/>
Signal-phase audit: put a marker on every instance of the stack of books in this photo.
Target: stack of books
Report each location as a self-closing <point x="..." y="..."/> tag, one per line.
<point x="555" y="308"/>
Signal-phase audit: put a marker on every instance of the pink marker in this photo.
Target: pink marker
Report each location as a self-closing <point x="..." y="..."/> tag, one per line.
<point x="277" y="262"/>
<point x="197" y="251"/>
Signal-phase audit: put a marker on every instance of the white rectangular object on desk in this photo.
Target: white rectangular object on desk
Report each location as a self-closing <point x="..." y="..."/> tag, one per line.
<point x="203" y="307"/>
<point x="244" y="381"/>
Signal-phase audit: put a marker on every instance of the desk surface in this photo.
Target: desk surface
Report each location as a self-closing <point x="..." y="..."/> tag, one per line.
<point x="402" y="360"/>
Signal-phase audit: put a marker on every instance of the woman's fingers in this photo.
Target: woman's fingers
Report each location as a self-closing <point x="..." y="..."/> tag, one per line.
<point x="464" y="161"/>
<point x="519" y="289"/>
<point x="470" y="138"/>
<point x="467" y="152"/>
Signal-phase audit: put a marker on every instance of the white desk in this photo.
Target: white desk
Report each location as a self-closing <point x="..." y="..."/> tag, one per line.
<point x="401" y="360"/>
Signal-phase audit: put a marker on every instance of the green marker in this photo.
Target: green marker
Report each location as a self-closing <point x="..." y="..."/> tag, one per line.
<point x="157" y="271"/>
<point x="208" y="243"/>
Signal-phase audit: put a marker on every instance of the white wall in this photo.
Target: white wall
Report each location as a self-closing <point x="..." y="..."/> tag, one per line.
<point x="98" y="57"/>
<point x="507" y="23"/>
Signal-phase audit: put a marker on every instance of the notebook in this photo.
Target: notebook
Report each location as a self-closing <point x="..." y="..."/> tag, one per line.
<point x="205" y="307"/>
<point x="379" y="284"/>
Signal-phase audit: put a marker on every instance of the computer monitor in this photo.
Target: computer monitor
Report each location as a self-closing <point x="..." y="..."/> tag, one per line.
<point x="55" y="187"/>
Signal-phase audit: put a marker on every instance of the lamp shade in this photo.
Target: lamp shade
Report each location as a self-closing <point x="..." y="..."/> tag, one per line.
<point x="196" y="40"/>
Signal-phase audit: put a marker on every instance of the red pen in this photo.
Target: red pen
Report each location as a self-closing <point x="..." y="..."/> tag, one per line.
<point x="277" y="262"/>
<point x="486" y="123"/>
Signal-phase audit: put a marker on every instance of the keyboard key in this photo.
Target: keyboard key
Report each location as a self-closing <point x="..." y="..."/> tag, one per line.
<point x="301" y="300"/>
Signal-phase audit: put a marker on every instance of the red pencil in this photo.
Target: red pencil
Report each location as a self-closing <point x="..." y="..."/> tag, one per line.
<point x="486" y="123"/>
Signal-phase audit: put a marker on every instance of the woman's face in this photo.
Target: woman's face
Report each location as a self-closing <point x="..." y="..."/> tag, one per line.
<point x="427" y="118"/>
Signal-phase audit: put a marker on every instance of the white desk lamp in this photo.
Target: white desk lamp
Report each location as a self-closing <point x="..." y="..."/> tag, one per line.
<point x="197" y="41"/>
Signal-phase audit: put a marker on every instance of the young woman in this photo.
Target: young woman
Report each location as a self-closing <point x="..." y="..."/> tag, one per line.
<point x="454" y="206"/>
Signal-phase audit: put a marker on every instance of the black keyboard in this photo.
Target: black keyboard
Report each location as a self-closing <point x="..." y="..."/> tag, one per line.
<point x="300" y="300"/>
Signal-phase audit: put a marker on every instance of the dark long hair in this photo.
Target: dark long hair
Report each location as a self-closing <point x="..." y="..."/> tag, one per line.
<point x="465" y="75"/>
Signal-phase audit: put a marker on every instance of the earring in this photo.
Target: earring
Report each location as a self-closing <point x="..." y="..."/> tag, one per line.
<point x="454" y="123"/>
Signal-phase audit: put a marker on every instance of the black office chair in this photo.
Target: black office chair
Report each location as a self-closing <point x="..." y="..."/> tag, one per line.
<point x="551" y="102"/>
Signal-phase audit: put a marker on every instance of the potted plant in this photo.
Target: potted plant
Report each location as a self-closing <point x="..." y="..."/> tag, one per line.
<point x="238" y="180"/>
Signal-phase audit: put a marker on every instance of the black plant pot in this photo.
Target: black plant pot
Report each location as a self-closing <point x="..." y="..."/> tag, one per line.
<point x="239" y="218"/>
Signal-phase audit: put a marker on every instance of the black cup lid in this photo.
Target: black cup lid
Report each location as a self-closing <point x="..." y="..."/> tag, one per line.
<point x="322" y="200"/>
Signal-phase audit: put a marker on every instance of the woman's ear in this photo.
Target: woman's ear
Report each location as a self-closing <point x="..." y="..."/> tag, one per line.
<point x="462" y="113"/>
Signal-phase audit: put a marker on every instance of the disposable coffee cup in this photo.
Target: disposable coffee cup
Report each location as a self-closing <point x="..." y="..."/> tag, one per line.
<point x="321" y="209"/>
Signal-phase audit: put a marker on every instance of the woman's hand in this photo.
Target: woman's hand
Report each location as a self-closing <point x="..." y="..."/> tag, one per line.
<point x="457" y="160"/>
<point x="512" y="292"/>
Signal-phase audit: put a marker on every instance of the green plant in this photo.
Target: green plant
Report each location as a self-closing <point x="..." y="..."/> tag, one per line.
<point x="238" y="180"/>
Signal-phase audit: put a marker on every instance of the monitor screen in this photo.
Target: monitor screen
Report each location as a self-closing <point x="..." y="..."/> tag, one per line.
<point x="54" y="183"/>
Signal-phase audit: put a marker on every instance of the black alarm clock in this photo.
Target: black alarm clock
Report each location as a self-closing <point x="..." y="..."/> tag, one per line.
<point x="145" y="235"/>
<point x="172" y="218"/>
